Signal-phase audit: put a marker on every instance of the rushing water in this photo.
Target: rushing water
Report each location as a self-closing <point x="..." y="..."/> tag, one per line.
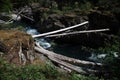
<point x="70" y="50"/>
<point x="41" y="41"/>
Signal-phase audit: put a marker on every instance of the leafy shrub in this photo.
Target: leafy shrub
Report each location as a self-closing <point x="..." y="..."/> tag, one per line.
<point x="36" y="72"/>
<point x="5" y="5"/>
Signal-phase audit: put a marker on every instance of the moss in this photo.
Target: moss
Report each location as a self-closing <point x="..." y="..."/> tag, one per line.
<point x="13" y="39"/>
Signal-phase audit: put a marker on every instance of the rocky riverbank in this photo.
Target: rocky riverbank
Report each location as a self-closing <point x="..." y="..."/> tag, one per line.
<point x="46" y="21"/>
<point x="17" y="48"/>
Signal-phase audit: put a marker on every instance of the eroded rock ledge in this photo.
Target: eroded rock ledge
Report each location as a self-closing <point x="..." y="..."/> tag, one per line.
<point x="17" y="46"/>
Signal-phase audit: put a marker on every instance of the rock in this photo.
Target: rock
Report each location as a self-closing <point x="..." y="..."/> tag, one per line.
<point x="50" y="24"/>
<point x="15" y="17"/>
<point x="3" y="47"/>
<point x="4" y="18"/>
<point x="1" y="21"/>
<point x="99" y="20"/>
<point x="73" y="19"/>
<point x="92" y="40"/>
<point x="56" y="21"/>
<point x="17" y="46"/>
<point x="24" y="14"/>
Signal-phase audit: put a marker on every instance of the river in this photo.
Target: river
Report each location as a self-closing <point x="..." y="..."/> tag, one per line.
<point x="70" y="50"/>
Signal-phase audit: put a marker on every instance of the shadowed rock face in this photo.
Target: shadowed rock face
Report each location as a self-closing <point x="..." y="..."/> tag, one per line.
<point x="93" y="40"/>
<point x="17" y="47"/>
<point x="56" y="21"/>
<point x="98" y="20"/>
<point x="2" y="47"/>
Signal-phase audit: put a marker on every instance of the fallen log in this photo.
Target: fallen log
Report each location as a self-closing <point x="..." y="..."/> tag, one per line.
<point x="78" y="32"/>
<point x="16" y="15"/>
<point x="27" y="17"/>
<point x="77" y="69"/>
<point x="20" y="11"/>
<point x="65" y="58"/>
<point x="61" y="30"/>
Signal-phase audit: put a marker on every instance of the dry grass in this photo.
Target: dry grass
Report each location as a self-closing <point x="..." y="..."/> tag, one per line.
<point x="12" y="40"/>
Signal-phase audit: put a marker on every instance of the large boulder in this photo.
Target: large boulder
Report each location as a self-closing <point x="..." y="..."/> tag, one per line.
<point x="17" y="47"/>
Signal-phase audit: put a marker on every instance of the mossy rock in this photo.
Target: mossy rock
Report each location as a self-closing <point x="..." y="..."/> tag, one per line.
<point x="11" y="41"/>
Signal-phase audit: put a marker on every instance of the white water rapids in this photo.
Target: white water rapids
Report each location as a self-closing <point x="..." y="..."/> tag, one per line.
<point x="41" y="41"/>
<point x="69" y="50"/>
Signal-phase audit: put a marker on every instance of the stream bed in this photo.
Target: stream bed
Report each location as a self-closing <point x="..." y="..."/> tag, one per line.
<point x="70" y="50"/>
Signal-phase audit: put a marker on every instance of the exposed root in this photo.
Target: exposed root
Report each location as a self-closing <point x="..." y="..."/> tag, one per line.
<point x="22" y="57"/>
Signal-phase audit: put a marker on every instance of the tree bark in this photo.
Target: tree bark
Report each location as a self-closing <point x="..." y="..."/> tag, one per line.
<point x="59" y="59"/>
<point x="61" y="30"/>
<point x="78" y="32"/>
<point x="65" y="58"/>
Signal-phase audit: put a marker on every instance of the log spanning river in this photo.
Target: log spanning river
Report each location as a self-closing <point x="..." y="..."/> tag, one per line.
<point x="70" y="50"/>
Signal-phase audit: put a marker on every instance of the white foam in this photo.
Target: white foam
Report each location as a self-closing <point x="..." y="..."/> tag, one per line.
<point x="42" y="42"/>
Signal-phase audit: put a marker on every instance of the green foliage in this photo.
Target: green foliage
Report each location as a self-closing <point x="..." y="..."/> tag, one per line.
<point x="81" y="77"/>
<point x="110" y="60"/>
<point x="79" y="8"/>
<point x="86" y="6"/>
<point x="111" y="5"/>
<point x="10" y="26"/>
<point x="113" y="66"/>
<point x="36" y="72"/>
<point x="29" y="72"/>
<point x="5" y="6"/>
<point x="110" y="48"/>
<point x="67" y="9"/>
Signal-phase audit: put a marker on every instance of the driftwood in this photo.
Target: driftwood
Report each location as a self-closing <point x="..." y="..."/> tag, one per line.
<point x="22" y="15"/>
<point x="27" y="17"/>
<point x="65" y="58"/>
<point x="77" y="69"/>
<point x="59" y="61"/>
<point x="17" y="15"/>
<point x="61" y="30"/>
<point x="68" y="62"/>
<point x="78" y="32"/>
<point x="20" y="11"/>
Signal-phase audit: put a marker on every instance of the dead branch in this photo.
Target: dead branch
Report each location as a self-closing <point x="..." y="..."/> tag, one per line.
<point x="27" y="17"/>
<point x="78" y="32"/>
<point x="65" y="58"/>
<point x="66" y="64"/>
<point x="61" y="30"/>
